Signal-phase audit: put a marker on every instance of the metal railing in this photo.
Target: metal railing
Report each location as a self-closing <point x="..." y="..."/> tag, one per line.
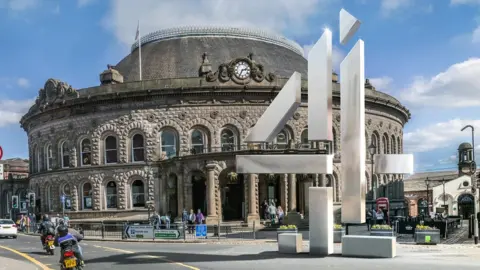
<point x="186" y="232"/>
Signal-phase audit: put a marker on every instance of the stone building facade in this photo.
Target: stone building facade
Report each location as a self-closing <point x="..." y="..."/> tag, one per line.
<point x="171" y="138"/>
<point x="13" y="182"/>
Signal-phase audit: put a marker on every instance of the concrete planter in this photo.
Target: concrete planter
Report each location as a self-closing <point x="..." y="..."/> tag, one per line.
<point x="377" y="232"/>
<point x="427" y="237"/>
<point x="338" y="234"/>
<point x="280" y="231"/>
<point x="290" y="243"/>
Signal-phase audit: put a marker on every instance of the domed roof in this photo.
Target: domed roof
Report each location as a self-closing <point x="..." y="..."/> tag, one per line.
<point x="177" y="52"/>
<point x="465" y="146"/>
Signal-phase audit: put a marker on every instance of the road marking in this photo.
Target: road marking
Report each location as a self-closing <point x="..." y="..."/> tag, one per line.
<point x="151" y="256"/>
<point x="31" y="259"/>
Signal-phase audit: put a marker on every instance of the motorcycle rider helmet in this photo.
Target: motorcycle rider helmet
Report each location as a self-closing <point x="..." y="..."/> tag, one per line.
<point x="62" y="230"/>
<point x="46" y="218"/>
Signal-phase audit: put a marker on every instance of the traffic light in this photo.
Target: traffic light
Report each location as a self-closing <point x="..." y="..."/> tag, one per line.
<point x="15" y="202"/>
<point x="31" y="199"/>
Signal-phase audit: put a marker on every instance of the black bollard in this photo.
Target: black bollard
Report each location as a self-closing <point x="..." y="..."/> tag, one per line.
<point x="470" y="227"/>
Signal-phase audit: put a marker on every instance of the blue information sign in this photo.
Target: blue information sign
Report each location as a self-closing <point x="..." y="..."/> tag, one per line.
<point x="201" y="230"/>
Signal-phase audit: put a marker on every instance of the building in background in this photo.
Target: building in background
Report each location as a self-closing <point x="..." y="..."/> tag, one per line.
<point x="448" y="191"/>
<point x="14" y="180"/>
<point x="171" y="137"/>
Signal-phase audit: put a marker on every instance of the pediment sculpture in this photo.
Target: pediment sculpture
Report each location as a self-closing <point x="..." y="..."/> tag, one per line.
<point x="240" y="70"/>
<point x="53" y="92"/>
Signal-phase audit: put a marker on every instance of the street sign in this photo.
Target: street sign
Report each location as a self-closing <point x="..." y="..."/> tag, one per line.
<point x="167" y="234"/>
<point x="201" y="230"/>
<point x="1" y="153"/>
<point x="139" y="231"/>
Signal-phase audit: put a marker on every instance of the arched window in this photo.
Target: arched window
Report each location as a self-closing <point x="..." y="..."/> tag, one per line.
<point x="138" y="148"/>
<point x="111" y="194"/>
<point x="85" y="152"/>
<point x="374" y="140"/>
<point x="65" y="154"/>
<point x="386" y="150"/>
<point x="198" y="141"/>
<point x="304" y="139"/>
<point x="169" y="143"/>
<point x="393" y="145"/>
<point x="399" y="147"/>
<point x="138" y="194"/>
<point x="49" y="156"/>
<point x="38" y="163"/>
<point x="49" y="199"/>
<point x="87" y="196"/>
<point x="67" y="203"/>
<point x="111" y="153"/>
<point x="228" y="140"/>
<point x="282" y="139"/>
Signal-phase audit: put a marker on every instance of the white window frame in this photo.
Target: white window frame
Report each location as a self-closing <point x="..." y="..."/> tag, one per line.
<point x="83" y="196"/>
<point x="175" y="141"/>
<point x="132" y="148"/>
<point x="49" y="157"/>
<point x="204" y="140"/>
<point x="235" y="138"/>
<point x="109" y="150"/>
<point x="107" y="196"/>
<point x="62" y="155"/>
<point x="81" y="152"/>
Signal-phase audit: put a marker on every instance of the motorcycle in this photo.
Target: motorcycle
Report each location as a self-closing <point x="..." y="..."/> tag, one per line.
<point x="49" y="246"/>
<point x="70" y="261"/>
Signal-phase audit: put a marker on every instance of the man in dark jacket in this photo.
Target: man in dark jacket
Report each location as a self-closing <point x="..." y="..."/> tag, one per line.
<point x="68" y="239"/>
<point x="46" y="228"/>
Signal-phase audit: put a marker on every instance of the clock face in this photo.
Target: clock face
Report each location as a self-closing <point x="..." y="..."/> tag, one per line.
<point x="242" y="70"/>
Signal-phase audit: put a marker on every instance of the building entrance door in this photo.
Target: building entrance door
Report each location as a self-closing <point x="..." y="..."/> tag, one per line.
<point x="232" y="187"/>
<point x="465" y="205"/>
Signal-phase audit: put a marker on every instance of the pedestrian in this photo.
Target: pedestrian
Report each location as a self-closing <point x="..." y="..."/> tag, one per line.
<point x="199" y="218"/>
<point x="191" y="221"/>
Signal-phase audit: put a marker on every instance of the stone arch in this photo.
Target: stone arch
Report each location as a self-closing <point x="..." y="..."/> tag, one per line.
<point x="393" y="145"/>
<point x="385" y="144"/>
<point x="209" y="141"/>
<point x="377" y="139"/>
<point x="134" y="127"/>
<point x="197" y="188"/>
<point x="99" y="135"/>
<point x="104" y="193"/>
<point x="153" y="142"/>
<point x="236" y="132"/>
<point x="336" y="139"/>
<point x="448" y="196"/>
<point x="399" y="146"/>
<point x="131" y="177"/>
<point x="126" y="141"/>
<point x="241" y="127"/>
<point x="231" y="195"/>
<point x="202" y="122"/>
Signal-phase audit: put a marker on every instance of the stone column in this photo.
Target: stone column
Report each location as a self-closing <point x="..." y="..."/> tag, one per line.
<point x="321" y="180"/>
<point x="253" y="198"/>
<point x="283" y="191"/>
<point x="212" y="216"/>
<point x="180" y="203"/>
<point x="292" y="193"/>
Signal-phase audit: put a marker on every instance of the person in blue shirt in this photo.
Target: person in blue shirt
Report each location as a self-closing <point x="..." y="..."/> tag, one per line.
<point x="66" y="240"/>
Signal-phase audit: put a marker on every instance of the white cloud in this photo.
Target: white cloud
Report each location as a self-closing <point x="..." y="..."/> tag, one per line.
<point x="22" y="82"/>
<point x="388" y="6"/>
<point x="337" y="55"/>
<point x="450" y="160"/>
<point x="383" y="83"/>
<point x="20" y="5"/>
<point x="440" y="135"/>
<point x="458" y="86"/>
<point x="12" y="110"/>
<point x="274" y="15"/>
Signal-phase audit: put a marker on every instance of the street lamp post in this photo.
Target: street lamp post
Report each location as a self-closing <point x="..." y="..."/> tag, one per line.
<point x="427" y="183"/>
<point x="474" y="185"/>
<point x="372" y="149"/>
<point x="444" y="203"/>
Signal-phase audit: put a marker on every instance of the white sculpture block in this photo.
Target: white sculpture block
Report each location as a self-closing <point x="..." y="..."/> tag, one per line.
<point x="320" y="204"/>
<point x="369" y="246"/>
<point x="290" y="243"/>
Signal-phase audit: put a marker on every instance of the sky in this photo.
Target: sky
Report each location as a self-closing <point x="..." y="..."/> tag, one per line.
<point x="426" y="53"/>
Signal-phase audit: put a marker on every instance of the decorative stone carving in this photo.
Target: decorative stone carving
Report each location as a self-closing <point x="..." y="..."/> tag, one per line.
<point x="389" y="125"/>
<point x="214" y="114"/>
<point x="369" y="122"/>
<point x="243" y="114"/>
<point x="52" y="130"/>
<point x="381" y="124"/>
<point x="225" y="71"/>
<point x="54" y="91"/>
<point x="182" y="115"/>
<point x="94" y="123"/>
<point x="337" y="117"/>
<point x="296" y="116"/>
<point x="70" y="125"/>
<point x="151" y="118"/>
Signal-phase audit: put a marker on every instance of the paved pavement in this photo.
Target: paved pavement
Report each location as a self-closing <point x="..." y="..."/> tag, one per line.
<point x="256" y="255"/>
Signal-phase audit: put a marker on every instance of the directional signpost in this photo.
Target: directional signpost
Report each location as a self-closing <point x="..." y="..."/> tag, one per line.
<point x="201" y="231"/>
<point x="139" y="231"/>
<point x="167" y="234"/>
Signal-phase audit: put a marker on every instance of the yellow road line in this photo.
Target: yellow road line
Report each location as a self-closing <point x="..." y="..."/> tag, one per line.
<point x="31" y="259"/>
<point x="150" y="256"/>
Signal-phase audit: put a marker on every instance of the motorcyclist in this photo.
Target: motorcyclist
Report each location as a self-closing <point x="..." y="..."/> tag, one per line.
<point x="46" y="228"/>
<point x="69" y="238"/>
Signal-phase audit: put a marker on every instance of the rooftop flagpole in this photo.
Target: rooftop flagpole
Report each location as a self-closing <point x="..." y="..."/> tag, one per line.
<point x="138" y="37"/>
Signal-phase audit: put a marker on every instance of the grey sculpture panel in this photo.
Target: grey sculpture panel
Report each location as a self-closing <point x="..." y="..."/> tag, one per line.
<point x="320" y="89"/>
<point x="352" y="110"/>
<point x="393" y="163"/>
<point x="278" y="113"/>
<point x="320" y="203"/>
<point x="303" y="164"/>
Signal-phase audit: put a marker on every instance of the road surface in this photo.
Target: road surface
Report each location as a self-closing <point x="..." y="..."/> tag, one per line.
<point x="26" y="250"/>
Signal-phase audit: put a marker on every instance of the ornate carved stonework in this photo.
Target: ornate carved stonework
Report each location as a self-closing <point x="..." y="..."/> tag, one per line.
<point x="243" y="114"/>
<point x="53" y="92"/>
<point x="225" y="72"/>
<point x="214" y="114"/>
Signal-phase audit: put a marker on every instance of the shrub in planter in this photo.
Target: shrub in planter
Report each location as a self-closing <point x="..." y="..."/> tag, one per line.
<point x="287" y="229"/>
<point x="427" y="235"/>
<point x="381" y="230"/>
<point x="338" y="233"/>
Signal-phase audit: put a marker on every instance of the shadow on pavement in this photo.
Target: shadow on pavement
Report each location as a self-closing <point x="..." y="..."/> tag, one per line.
<point x="142" y="257"/>
<point x="37" y="253"/>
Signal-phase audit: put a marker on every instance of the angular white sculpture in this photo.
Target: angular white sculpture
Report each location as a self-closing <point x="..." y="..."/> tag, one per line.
<point x="348" y="26"/>
<point x="369" y="246"/>
<point x="320" y="205"/>
<point x="290" y="243"/>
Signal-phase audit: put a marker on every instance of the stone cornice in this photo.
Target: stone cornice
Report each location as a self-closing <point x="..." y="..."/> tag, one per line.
<point x="194" y="88"/>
